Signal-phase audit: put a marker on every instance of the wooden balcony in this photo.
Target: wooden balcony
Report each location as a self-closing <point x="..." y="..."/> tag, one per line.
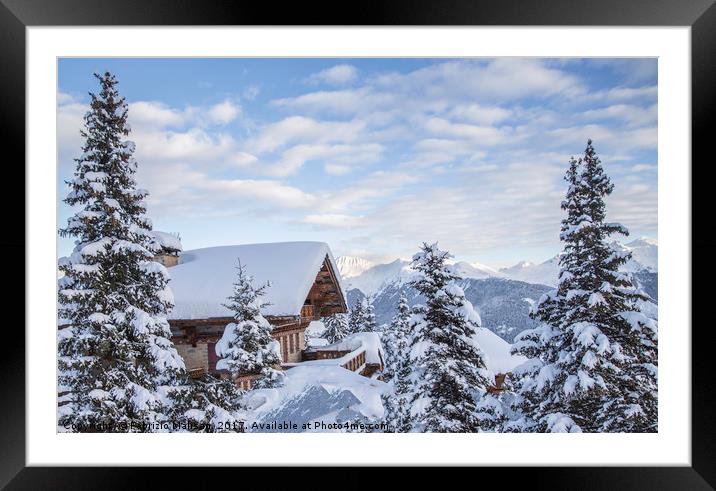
<point x="307" y="312"/>
<point x="355" y="363"/>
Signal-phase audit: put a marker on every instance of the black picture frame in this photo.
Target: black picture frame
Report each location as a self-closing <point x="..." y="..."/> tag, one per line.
<point x="16" y="15"/>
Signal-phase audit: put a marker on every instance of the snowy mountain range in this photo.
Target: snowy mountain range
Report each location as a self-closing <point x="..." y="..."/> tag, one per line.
<point x="644" y="258"/>
<point x="502" y="297"/>
<point x="374" y="277"/>
<point x="350" y="266"/>
<point x="369" y="278"/>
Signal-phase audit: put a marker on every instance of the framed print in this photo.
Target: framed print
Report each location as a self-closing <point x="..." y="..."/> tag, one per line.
<point x="413" y="237"/>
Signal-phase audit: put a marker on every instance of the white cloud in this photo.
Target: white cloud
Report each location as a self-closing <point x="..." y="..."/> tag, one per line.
<point x="335" y="75"/>
<point x="481" y="115"/>
<point x="617" y="140"/>
<point x="336" y="220"/>
<point x="265" y="191"/>
<point x="635" y="206"/>
<point x="178" y="189"/>
<point x="442" y="86"/>
<point x="70" y="121"/>
<point x="517" y="205"/>
<point x="196" y="145"/>
<point x="338" y="158"/>
<point x="622" y="94"/>
<point x="64" y="98"/>
<point x="444" y="150"/>
<point x="224" y="112"/>
<point x="154" y="114"/>
<point x="304" y="130"/>
<point x="348" y="101"/>
<point x="501" y="78"/>
<point x="471" y="153"/>
<point x="643" y="167"/>
<point x="367" y="192"/>
<point x="631" y="114"/>
<point x="485" y="135"/>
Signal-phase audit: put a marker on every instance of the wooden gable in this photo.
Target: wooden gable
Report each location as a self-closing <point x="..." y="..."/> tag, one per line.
<point x="325" y="297"/>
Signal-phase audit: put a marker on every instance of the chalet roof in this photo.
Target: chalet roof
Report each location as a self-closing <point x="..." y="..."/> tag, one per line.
<point x="204" y="278"/>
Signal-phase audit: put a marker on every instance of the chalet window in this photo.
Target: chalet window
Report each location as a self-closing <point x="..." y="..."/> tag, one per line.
<point x="297" y="339"/>
<point x="284" y="348"/>
<point x="291" y="343"/>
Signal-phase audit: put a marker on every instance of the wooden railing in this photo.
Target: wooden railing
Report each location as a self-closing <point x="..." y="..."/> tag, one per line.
<point x="356" y="362"/>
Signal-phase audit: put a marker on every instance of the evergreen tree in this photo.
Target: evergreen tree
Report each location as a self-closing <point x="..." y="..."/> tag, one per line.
<point x="362" y="317"/>
<point x="206" y="405"/>
<point x="336" y="327"/>
<point x="307" y="337"/>
<point x="116" y="354"/>
<point x="357" y="317"/>
<point x="247" y="347"/>
<point x="448" y="368"/>
<point x="396" y="403"/>
<point x="369" y="324"/>
<point x="593" y="361"/>
<point x="494" y="410"/>
<point x="395" y="338"/>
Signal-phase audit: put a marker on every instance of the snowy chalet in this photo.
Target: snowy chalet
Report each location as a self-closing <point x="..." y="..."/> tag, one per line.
<point x="305" y="286"/>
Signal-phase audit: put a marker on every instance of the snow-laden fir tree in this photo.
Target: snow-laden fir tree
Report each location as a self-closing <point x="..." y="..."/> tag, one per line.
<point x="116" y="353"/>
<point x="356" y="317"/>
<point x="593" y="358"/>
<point x="206" y="405"/>
<point x="449" y="375"/>
<point x="362" y="317"/>
<point x="336" y="327"/>
<point x="369" y="324"/>
<point x="247" y="347"/>
<point x="396" y="346"/>
<point x="395" y="338"/>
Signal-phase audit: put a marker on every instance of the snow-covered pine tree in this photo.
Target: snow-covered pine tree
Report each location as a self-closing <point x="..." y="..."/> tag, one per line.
<point x="369" y="324"/>
<point x="247" y="347"/>
<point x="396" y="345"/>
<point x="116" y="353"/>
<point x="308" y="336"/>
<point x="336" y="327"/>
<point x="449" y="371"/>
<point x="593" y="364"/>
<point x="357" y="317"/>
<point x="208" y="405"/>
<point x="395" y="338"/>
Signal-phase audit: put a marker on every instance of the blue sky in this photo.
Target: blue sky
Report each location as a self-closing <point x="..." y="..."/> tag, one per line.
<point x="375" y="156"/>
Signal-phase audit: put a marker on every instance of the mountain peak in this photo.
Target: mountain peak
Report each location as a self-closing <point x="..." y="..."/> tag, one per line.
<point x="350" y="266"/>
<point x="643" y="241"/>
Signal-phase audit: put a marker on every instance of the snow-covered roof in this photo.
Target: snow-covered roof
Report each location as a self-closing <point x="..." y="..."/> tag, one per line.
<point x="167" y="241"/>
<point x="497" y="351"/>
<point x="204" y="278"/>
<point x="362" y="341"/>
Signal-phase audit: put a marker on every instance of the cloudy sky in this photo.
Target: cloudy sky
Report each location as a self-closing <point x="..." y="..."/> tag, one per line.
<point x="375" y="156"/>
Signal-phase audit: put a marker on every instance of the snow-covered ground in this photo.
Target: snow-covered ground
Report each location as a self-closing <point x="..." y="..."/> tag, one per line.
<point x="497" y="352"/>
<point x="322" y="391"/>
